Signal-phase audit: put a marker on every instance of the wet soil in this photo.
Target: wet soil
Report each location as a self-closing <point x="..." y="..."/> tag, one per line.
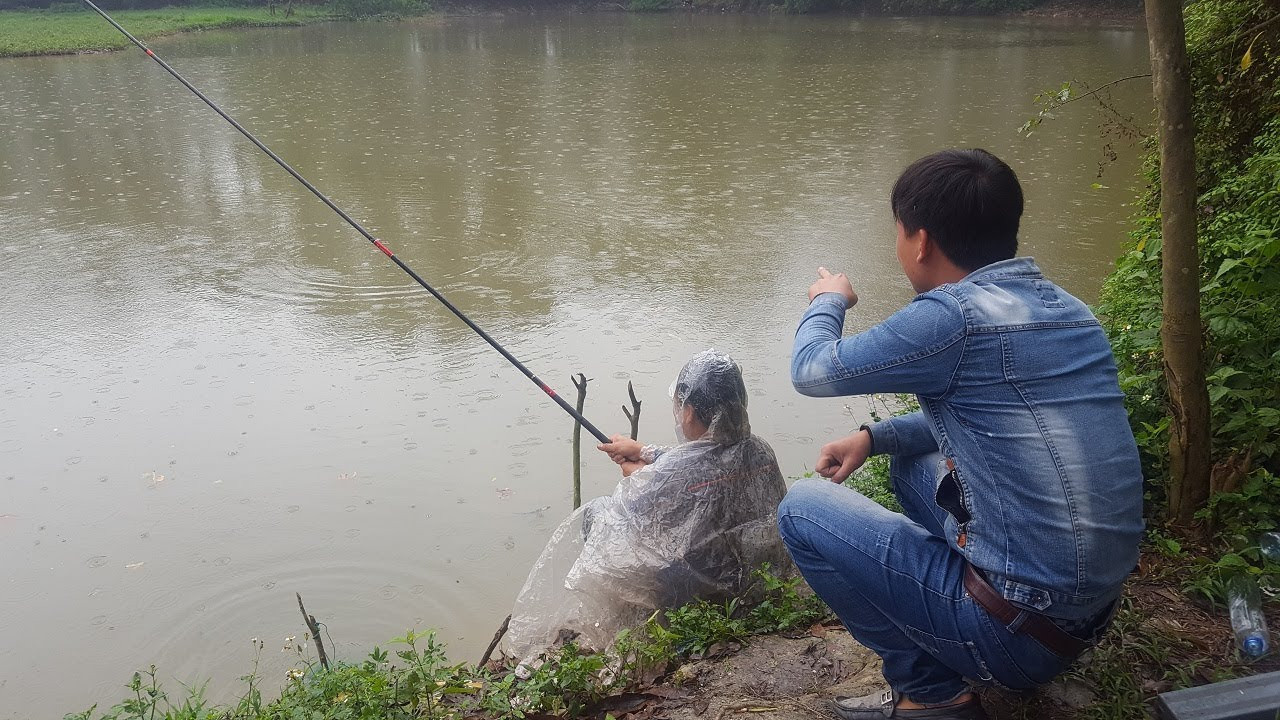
<point x="795" y="676"/>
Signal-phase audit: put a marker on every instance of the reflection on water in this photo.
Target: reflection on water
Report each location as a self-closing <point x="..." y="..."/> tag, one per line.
<point x="215" y="394"/>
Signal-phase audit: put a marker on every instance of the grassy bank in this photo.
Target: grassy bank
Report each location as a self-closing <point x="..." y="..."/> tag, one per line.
<point x="416" y="679"/>
<point x="50" y="32"/>
<point x="1160" y="640"/>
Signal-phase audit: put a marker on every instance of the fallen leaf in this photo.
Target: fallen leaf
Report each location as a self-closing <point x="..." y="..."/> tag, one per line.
<point x="818" y="630"/>
<point x="1247" y="60"/>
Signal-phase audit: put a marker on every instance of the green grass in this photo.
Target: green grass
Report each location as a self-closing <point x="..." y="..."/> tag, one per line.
<point x="42" y="32"/>
<point x="416" y="681"/>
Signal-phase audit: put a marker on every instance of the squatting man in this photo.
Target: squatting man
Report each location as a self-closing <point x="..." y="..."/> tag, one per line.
<point x="1018" y="477"/>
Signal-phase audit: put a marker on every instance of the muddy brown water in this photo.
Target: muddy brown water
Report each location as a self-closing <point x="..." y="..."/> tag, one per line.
<point x="213" y="394"/>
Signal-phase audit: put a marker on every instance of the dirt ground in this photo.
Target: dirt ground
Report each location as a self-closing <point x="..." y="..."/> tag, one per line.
<point x="1161" y="633"/>
<point x="775" y="677"/>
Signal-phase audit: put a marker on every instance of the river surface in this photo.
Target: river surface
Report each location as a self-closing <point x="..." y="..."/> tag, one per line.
<point x="214" y="394"/>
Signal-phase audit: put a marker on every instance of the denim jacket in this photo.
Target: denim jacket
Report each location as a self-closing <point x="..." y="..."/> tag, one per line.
<point x="1017" y="385"/>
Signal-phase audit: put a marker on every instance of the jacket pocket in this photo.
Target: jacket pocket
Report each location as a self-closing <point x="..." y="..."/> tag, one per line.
<point x="950" y="497"/>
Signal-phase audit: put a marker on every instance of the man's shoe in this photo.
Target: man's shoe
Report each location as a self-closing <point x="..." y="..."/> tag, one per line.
<point x="885" y="705"/>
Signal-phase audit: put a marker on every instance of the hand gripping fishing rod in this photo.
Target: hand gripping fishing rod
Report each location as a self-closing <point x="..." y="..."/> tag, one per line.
<point x="564" y="405"/>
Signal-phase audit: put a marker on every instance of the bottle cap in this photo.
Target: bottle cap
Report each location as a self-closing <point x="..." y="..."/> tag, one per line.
<point x="1270" y="544"/>
<point x="1255" y="646"/>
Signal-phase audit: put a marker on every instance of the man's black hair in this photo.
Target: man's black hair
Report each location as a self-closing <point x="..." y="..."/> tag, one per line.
<point x="968" y="201"/>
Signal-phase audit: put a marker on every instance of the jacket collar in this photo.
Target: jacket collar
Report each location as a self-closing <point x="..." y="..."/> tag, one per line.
<point x="1019" y="267"/>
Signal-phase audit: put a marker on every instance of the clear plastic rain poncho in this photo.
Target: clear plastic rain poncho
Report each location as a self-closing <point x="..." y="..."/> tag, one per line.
<point x="693" y="523"/>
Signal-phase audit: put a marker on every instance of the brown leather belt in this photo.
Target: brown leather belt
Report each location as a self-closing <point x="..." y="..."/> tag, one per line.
<point x="1037" y="626"/>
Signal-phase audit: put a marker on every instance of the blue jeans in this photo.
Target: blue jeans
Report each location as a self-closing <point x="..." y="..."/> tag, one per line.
<point x="899" y="588"/>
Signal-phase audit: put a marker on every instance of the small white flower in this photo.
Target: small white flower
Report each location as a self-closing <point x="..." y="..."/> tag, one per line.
<point x="295" y="673"/>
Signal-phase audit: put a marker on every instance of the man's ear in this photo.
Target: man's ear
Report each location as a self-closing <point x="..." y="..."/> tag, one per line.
<point x="924" y="245"/>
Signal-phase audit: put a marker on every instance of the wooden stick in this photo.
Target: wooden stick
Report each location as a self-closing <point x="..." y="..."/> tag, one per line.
<point x="633" y="414"/>
<point x="579" y="382"/>
<point x="314" y="627"/>
<point x="493" y="644"/>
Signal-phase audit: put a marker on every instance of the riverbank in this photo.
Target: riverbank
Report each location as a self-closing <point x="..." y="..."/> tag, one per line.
<point x="57" y="32"/>
<point x="67" y="32"/>
<point x="782" y="660"/>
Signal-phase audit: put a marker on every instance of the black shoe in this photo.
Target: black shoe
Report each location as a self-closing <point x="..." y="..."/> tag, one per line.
<point x="884" y="705"/>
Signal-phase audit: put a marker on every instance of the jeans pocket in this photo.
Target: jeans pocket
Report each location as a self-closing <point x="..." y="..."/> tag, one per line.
<point x="961" y="656"/>
<point x="1021" y="662"/>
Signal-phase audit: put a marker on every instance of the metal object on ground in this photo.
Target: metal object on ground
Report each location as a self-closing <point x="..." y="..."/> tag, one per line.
<point x="1249" y="698"/>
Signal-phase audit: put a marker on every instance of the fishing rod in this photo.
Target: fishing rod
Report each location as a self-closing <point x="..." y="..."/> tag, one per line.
<point x="564" y="405"/>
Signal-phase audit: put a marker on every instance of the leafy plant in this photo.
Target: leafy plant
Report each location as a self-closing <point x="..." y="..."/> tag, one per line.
<point x="567" y="681"/>
<point x="378" y="8"/>
<point x="788" y="604"/>
<point x="1237" y="112"/>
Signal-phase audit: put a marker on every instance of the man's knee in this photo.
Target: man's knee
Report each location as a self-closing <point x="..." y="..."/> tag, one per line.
<point x="820" y="508"/>
<point x="802" y="501"/>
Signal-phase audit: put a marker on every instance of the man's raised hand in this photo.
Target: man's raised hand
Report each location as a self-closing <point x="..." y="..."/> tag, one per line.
<point x="837" y="283"/>
<point x="837" y="460"/>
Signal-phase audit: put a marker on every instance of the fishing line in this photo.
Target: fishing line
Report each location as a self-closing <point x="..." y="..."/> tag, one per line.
<point x="564" y="405"/>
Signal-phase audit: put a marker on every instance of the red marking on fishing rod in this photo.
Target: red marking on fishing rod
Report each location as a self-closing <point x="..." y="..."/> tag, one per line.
<point x="360" y="229"/>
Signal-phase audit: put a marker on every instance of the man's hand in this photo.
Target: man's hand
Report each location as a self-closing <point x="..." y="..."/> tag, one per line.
<point x="622" y="449"/>
<point x="837" y="283"/>
<point x="837" y="460"/>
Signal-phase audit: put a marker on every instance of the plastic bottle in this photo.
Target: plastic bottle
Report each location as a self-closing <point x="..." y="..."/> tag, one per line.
<point x="1245" y="604"/>
<point x="1270" y="543"/>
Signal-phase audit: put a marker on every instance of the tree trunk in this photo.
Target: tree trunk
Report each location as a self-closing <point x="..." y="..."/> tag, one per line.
<point x="1180" y="332"/>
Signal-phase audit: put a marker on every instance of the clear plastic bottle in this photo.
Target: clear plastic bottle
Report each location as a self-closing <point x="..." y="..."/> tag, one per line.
<point x="1245" y="604"/>
<point x="1270" y="543"/>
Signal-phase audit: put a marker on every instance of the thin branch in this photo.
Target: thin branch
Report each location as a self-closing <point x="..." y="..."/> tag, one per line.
<point x="633" y="413"/>
<point x="314" y="628"/>
<point x="1246" y="33"/>
<point x="1100" y="89"/>
<point x="493" y="644"/>
<point x="580" y="382"/>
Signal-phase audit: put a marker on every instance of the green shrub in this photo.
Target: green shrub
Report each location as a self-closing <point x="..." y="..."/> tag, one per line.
<point x="650" y="5"/>
<point x="378" y="8"/>
<point x="1237" y="108"/>
<point x="1236" y="81"/>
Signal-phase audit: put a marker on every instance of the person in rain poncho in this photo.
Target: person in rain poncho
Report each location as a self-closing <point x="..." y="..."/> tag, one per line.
<point x="690" y="521"/>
